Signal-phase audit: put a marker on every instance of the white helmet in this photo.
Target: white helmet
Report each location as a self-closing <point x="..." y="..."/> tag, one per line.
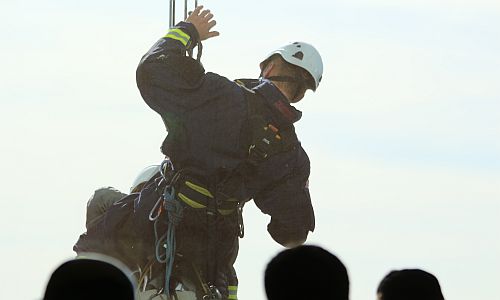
<point x="303" y="55"/>
<point x="145" y="175"/>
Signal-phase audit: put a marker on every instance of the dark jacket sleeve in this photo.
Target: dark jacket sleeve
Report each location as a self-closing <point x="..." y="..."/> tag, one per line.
<point x="171" y="82"/>
<point x="288" y="202"/>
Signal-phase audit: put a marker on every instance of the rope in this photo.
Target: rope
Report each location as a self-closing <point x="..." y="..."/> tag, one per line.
<point x="200" y="50"/>
<point x="165" y="244"/>
<point x="174" y="210"/>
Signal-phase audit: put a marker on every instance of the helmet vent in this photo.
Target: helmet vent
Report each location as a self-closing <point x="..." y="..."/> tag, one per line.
<point x="299" y="55"/>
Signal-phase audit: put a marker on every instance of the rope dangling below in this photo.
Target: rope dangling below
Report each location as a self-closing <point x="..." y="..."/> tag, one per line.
<point x="174" y="211"/>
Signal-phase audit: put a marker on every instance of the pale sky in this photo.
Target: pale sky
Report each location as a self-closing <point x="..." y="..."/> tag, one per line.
<point x="403" y="132"/>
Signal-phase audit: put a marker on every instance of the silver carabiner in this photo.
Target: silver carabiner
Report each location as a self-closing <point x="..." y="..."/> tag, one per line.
<point x="155" y="209"/>
<point x="166" y="163"/>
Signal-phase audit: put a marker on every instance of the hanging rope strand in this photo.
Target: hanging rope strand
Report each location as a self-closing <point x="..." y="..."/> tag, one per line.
<point x="174" y="215"/>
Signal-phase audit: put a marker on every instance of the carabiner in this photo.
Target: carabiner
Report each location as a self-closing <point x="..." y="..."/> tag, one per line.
<point x="213" y="294"/>
<point x="156" y="207"/>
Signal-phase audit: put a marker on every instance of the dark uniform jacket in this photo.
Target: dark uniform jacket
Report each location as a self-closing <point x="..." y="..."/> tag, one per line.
<point x="206" y="116"/>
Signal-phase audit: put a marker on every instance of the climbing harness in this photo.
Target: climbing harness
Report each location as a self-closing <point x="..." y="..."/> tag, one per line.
<point x="178" y="187"/>
<point x="190" y="188"/>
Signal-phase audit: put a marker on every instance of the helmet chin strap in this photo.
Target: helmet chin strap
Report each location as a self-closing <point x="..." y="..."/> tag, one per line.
<point x="281" y="78"/>
<point x="298" y="83"/>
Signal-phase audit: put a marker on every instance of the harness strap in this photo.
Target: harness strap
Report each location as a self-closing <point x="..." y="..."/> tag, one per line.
<point x="284" y="78"/>
<point x="266" y="138"/>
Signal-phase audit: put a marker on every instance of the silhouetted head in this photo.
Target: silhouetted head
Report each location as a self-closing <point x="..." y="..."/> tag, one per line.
<point x="89" y="278"/>
<point x="409" y="284"/>
<point x="306" y="272"/>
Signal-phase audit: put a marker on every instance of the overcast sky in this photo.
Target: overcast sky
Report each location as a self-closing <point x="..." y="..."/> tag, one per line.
<point x="403" y="132"/>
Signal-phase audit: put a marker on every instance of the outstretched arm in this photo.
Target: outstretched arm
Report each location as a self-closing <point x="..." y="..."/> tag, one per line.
<point x="171" y="82"/>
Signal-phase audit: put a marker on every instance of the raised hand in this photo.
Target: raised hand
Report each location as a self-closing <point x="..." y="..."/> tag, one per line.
<point x="202" y="21"/>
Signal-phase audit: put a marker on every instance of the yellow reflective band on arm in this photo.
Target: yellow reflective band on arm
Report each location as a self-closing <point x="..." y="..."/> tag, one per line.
<point x="190" y="202"/>
<point x="179" y="35"/>
<point x="233" y="290"/>
<point x="199" y="189"/>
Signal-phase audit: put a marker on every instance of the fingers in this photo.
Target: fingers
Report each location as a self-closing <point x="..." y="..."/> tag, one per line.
<point x="199" y="15"/>
<point x="205" y="12"/>
<point x="212" y="34"/>
<point x="197" y="10"/>
<point x="211" y="24"/>
<point x="203" y="21"/>
<point x="209" y="16"/>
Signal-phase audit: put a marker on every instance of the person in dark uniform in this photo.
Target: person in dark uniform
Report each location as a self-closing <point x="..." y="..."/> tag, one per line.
<point x="237" y="140"/>
<point x="233" y="141"/>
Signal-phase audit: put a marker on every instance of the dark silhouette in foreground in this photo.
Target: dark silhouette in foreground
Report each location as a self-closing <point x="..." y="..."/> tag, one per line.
<point x="409" y="284"/>
<point x="89" y="278"/>
<point x="306" y="272"/>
